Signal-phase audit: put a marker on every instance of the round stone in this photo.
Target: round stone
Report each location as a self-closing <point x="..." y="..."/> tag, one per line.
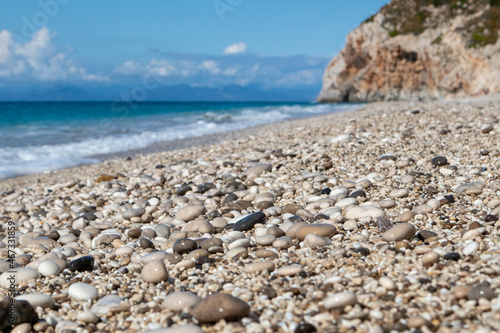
<point x="401" y="193"/>
<point x="82" y="264"/>
<point x="154" y="272"/>
<point x="184" y="245"/>
<point x="470" y="248"/>
<point x="248" y="222"/>
<point x="314" y="241"/>
<point x="48" y="268"/>
<point x="387" y="283"/>
<point x="37" y="300"/>
<point x="180" y="300"/>
<point x="290" y="270"/>
<point x="130" y="213"/>
<point x="21" y="274"/>
<point x="220" y="306"/>
<point x="430" y="258"/>
<point x="190" y="213"/>
<point x="399" y="232"/>
<point x="470" y="188"/>
<point x="482" y="290"/>
<point x="162" y="230"/>
<point x="320" y="229"/>
<point x="82" y="291"/>
<point x="305" y="328"/>
<point x="439" y="160"/>
<point x="340" y="300"/>
<point x="256" y="267"/>
<point x="178" y="329"/>
<point x="258" y="169"/>
<point x="211" y="242"/>
<point x="361" y="212"/>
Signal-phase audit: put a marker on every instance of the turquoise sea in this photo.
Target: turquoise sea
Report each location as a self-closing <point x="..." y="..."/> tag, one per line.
<point x="37" y="137"/>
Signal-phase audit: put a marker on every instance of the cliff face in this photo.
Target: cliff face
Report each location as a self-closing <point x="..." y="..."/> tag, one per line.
<point x="419" y="50"/>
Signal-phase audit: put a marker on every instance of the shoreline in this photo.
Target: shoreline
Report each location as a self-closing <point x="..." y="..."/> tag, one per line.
<point x="161" y="147"/>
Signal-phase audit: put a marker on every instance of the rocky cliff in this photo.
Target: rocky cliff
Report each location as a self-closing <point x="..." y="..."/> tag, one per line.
<point x="419" y="50"/>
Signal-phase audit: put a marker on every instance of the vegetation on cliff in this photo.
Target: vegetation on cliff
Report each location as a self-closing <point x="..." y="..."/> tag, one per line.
<point x="402" y="17"/>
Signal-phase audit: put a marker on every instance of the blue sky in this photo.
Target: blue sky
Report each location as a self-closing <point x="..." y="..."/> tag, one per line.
<point x="209" y="43"/>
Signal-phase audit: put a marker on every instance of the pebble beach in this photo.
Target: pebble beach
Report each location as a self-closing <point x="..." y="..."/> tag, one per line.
<point x="383" y="219"/>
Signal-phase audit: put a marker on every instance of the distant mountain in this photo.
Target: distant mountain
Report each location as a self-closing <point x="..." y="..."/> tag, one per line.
<point x="419" y="50"/>
<point x="162" y="93"/>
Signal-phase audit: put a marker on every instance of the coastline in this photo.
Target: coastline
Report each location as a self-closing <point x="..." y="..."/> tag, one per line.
<point x="65" y="174"/>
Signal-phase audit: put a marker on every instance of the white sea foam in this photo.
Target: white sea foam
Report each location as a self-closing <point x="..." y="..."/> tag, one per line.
<point x="81" y="143"/>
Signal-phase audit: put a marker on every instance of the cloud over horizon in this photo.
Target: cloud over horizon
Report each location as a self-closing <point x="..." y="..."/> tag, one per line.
<point x="39" y="60"/>
<point x="236" y="48"/>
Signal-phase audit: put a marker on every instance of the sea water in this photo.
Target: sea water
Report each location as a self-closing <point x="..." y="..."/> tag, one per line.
<point x="38" y="137"/>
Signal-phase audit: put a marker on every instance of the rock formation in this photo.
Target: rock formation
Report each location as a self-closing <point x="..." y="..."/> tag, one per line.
<point x="419" y="50"/>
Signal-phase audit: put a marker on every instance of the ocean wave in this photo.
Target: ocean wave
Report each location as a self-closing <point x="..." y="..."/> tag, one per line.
<point x="77" y="147"/>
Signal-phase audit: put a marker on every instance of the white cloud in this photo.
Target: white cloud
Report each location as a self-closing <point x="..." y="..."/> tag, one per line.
<point x="236" y="48"/>
<point x="211" y="66"/>
<point x="39" y="59"/>
<point x="160" y="67"/>
<point x="130" y="68"/>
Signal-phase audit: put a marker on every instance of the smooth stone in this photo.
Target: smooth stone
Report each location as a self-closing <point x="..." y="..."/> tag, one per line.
<point x="154" y="256"/>
<point x="82" y="291"/>
<point x="305" y="328"/>
<point x="154" y="272"/>
<point x="470" y="248"/>
<point x="82" y="264"/>
<point x="249" y="221"/>
<point x="266" y="254"/>
<point x="242" y="242"/>
<point x="265" y="240"/>
<point x="361" y="212"/>
<point x="220" y="306"/>
<point x="103" y="306"/>
<point x="283" y="242"/>
<point x="346" y="202"/>
<point x="87" y="317"/>
<point x="455" y="256"/>
<point x="320" y="229"/>
<point x="439" y="160"/>
<point x="387" y="283"/>
<point x="292" y="208"/>
<point x="259" y="267"/>
<point x="387" y="203"/>
<point x="210" y="242"/>
<point x="22" y="328"/>
<point x="401" y="193"/>
<point x="23" y="312"/>
<point x="180" y="300"/>
<point x="258" y="169"/>
<point x="37" y="300"/>
<point x="407" y="216"/>
<point x="237" y="253"/>
<point x="178" y="329"/>
<point x="470" y="188"/>
<point x="184" y="245"/>
<point x="340" y="300"/>
<point x="430" y="258"/>
<point x="190" y="213"/>
<point x="423" y="209"/>
<point x="48" y="268"/>
<point x="399" y="232"/>
<point x="162" y="230"/>
<point x="21" y="274"/>
<point x="290" y="270"/>
<point x="197" y="254"/>
<point x="314" y="241"/>
<point x="482" y="290"/>
<point x="426" y="234"/>
<point x="66" y="239"/>
<point x="130" y="213"/>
